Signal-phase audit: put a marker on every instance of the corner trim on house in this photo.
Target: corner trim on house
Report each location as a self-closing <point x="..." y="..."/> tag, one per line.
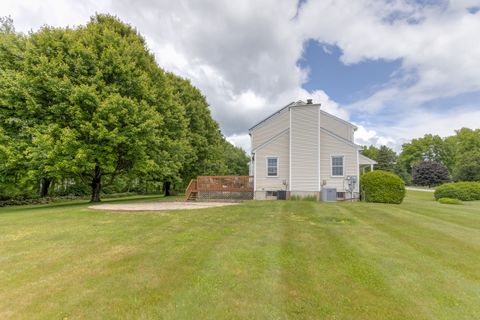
<point x="254" y="174"/>
<point x="290" y="150"/>
<point x="358" y="171"/>
<point x="318" y="150"/>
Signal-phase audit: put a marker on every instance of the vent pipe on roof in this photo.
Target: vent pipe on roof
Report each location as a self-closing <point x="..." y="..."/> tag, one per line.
<point x="309" y="101"/>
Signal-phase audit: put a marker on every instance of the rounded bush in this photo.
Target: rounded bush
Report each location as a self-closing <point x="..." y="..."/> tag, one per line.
<point x="382" y="187"/>
<point x="465" y="191"/>
<point x="449" y="201"/>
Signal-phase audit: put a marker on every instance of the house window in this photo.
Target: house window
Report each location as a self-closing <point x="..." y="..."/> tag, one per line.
<point x="272" y="167"/>
<point x="337" y="166"/>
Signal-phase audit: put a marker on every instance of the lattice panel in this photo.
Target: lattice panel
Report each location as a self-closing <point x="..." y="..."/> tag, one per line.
<point x="224" y="195"/>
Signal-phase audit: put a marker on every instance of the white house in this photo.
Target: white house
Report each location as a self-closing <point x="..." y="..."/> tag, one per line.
<point x="302" y="150"/>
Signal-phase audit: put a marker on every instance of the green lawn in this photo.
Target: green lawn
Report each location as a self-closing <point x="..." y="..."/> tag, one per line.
<point x="258" y="260"/>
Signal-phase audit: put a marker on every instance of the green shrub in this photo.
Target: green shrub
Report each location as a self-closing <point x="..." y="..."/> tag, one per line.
<point x="449" y="201"/>
<point x="75" y="190"/>
<point x="465" y="191"/>
<point x="383" y="187"/>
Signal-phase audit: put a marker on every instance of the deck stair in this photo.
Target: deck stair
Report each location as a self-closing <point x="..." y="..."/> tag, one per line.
<point x="191" y="193"/>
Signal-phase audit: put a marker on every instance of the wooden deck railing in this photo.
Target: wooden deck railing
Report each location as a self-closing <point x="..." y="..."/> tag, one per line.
<point x="219" y="184"/>
<point x="225" y="183"/>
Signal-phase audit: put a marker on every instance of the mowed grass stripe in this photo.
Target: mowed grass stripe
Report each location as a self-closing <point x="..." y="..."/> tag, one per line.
<point x="259" y="260"/>
<point x="435" y="286"/>
<point x="328" y="277"/>
<point x="96" y="268"/>
<point x="465" y="215"/>
<point x="432" y="240"/>
<point x="240" y="278"/>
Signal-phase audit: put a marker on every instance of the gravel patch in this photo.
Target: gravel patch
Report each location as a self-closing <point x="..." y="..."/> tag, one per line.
<point x="160" y="206"/>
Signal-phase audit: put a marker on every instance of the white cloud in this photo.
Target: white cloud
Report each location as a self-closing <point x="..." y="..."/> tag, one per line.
<point x="241" y="140"/>
<point x="366" y="137"/>
<point x="435" y="43"/>
<point x="243" y="55"/>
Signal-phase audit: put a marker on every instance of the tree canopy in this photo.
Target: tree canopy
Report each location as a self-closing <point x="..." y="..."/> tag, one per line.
<point x="430" y="173"/>
<point x="458" y="154"/>
<point x="90" y="104"/>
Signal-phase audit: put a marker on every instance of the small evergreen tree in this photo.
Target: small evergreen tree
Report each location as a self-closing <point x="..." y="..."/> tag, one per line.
<point x="386" y="159"/>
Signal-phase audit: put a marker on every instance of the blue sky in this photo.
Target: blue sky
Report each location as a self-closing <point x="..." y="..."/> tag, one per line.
<point x="398" y="69"/>
<point x="343" y="83"/>
<point x="348" y="83"/>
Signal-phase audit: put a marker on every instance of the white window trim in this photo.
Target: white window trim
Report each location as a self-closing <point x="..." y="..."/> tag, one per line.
<point x="266" y="166"/>
<point x="331" y="165"/>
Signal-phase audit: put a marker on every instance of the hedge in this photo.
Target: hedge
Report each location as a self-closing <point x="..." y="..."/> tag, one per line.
<point x="383" y="187"/>
<point x="465" y="191"/>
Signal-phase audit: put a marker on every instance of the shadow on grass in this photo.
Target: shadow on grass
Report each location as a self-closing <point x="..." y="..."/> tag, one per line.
<point x="84" y="203"/>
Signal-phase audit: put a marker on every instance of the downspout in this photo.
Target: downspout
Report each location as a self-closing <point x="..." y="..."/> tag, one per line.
<point x="290" y="150"/>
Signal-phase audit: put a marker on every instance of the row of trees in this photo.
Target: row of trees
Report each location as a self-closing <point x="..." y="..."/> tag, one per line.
<point x="431" y="160"/>
<point x="90" y="106"/>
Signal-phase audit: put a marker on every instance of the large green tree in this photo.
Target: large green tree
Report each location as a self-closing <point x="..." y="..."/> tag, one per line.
<point x="204" y="137"/>
<point x="14" y="139"/>
<point x="236" y="160"/>
<point x="210" y="153"/>
<point x="428" y="148"/>
<point x="467" y="159"/>
<point x="96" y="105"/>
<point x="370" y="152"/>
<point x="90" y="104"/>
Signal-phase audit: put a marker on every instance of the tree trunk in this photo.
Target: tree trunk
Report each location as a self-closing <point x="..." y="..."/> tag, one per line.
<point x="44" y="185"/>
<point x="166" y="187"/>
<point x="96" y="184"/>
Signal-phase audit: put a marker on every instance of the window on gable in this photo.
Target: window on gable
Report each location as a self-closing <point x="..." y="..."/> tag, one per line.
<point x="337" y="166"/>
<point x="272" y="167"/>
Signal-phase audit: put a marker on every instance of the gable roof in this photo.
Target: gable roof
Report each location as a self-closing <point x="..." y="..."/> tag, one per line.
<point x="298" y="104"/>
<point x="339" y="119"/>
<point x="336" y="136"/>
<point x="365" y="160"/>
<point x="272" y="115"/>
<point x="271" y="140"/>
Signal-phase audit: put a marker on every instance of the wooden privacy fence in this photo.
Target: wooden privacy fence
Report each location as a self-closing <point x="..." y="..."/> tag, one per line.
<point x="220" y="188"/>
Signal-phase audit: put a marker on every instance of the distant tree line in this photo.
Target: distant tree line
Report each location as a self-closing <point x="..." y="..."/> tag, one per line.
<point x="88" y="109"/>
<point x="432" y="160"/>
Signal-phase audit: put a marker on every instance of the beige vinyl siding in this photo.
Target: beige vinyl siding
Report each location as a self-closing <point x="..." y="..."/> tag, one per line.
<point x="330" y="146"/>
<point x="304" y="148"/>
<point x="269" y="129"/>
<point x="337" y="126"/>
<point x="277" y="148"/>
